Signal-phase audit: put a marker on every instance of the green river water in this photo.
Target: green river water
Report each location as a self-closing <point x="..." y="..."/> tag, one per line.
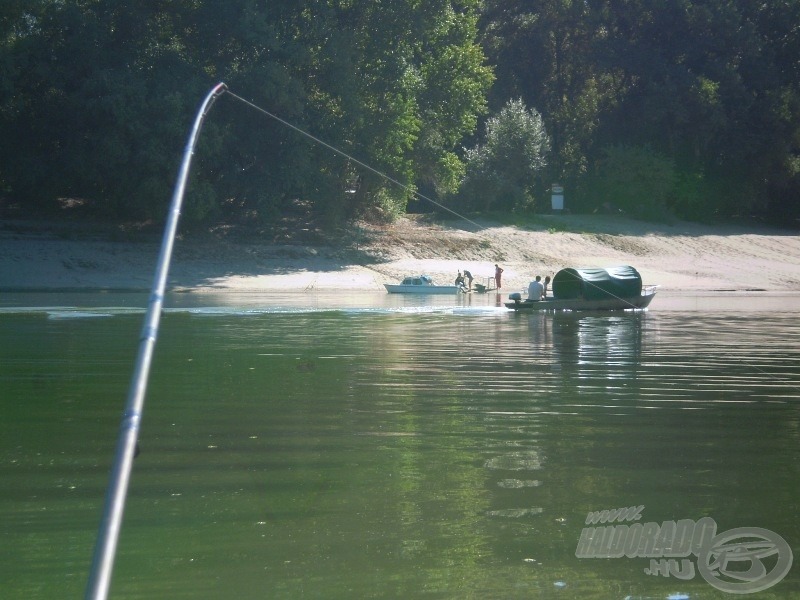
<point x="376" y="447"/>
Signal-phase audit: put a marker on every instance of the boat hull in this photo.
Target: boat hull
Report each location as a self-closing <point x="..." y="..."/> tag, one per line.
<point x="421" y="289"/>
<point x="635" y="303"/>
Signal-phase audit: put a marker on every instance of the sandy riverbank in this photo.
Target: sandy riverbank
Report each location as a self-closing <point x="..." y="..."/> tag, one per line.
<point x="678" y="257"/>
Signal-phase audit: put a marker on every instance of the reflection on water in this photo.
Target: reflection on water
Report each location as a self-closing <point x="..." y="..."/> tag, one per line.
<point x="451" y="450"/>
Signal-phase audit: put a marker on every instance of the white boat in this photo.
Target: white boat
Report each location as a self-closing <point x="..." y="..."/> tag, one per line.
<point x="421" y="284"/>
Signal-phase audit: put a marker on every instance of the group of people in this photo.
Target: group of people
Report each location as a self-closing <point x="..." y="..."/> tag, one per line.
<point x="538" y="290"/>
<point x="465" y="280"/>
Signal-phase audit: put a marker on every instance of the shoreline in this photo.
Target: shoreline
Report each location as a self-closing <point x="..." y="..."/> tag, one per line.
<point x="681" y="257"/>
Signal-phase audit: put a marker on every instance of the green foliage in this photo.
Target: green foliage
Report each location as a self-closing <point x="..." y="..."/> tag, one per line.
<point x="104" y="94"/>
<point x="502" y="172"/>
<point x="98" y="97"/>
<point x="714" y="86"/>
<point x="705" y="198"/>
<point x="636" y="180"/>
<point x="94" y="113"/>
<point x="690" y="198"/>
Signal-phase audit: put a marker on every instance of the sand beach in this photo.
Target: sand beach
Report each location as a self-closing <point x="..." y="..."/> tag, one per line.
<point x="679" y="257"/>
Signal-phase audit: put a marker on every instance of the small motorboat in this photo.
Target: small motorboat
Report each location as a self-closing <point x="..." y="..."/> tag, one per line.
<point x="421" y="284"/>
<point x="611" y="288"/>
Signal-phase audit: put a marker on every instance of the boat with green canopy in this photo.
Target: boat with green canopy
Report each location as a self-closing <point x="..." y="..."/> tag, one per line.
<point x="591" y="288"/>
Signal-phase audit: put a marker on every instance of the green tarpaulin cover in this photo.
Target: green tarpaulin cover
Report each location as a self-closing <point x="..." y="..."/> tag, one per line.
<point x="595" y="283"/>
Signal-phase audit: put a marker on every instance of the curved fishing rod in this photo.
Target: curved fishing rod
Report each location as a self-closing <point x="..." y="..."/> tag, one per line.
<point x="108" y="536"/>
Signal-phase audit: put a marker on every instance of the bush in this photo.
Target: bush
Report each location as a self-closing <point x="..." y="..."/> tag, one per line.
<point x="636" y="180"/>
<point x="501" y="173"/>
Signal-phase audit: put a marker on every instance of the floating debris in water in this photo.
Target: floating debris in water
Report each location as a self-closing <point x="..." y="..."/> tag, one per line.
<point x="516" y="461"/>
<point x="514" y="512"/>
<point x="517" y="483"/>
<point x="674" y="596"/>
<point x="306" y="366"/>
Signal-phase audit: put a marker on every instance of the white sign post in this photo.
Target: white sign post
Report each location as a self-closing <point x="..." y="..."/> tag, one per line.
<point x="557" y="197"/>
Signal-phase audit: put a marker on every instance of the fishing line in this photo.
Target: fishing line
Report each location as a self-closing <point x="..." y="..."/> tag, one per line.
<point x="395" y="181"/>
<point x="355" y="160"/>
<point x="377" y="172"/>
<point x="385" y="176"/>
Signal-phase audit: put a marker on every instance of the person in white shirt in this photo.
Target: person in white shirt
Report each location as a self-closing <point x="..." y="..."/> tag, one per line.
<point x="535" y="289"/>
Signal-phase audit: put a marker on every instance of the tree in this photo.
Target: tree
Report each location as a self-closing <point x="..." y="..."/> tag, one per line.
<point x="502" y="172"/>
<point x="414" y="85"/>
<point x="105" y="92"/>
<point x="712" y="86"/>
<point x="547" y="53"/>
<point x="95" y="105"/>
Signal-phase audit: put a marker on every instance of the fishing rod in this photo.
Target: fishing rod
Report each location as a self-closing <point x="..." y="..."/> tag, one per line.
<point x="108" y="536"/>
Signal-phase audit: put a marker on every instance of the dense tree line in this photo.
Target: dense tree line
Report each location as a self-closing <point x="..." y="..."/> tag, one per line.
<point x="101" y="93"/>
<point x="695" y="100"/>
<point x="652" y="107"/>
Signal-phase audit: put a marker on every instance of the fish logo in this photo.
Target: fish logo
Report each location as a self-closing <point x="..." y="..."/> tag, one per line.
<point x="738" y="561"/>
<point x="745" y="560"/>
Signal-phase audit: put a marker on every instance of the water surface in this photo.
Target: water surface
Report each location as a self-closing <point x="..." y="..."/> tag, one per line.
<point x="352" y="446"/>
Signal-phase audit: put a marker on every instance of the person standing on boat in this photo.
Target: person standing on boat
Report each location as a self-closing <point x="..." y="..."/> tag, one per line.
<point x="498" y="273"/>
<point x="535" y="289"/>
<point x="468" y="276"/>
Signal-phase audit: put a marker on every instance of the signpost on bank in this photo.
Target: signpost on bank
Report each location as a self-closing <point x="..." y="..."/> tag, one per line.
<point x="557" y="197"/>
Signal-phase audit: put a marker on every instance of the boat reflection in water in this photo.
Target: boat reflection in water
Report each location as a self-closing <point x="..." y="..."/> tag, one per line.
<point x="607" y="341"/>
